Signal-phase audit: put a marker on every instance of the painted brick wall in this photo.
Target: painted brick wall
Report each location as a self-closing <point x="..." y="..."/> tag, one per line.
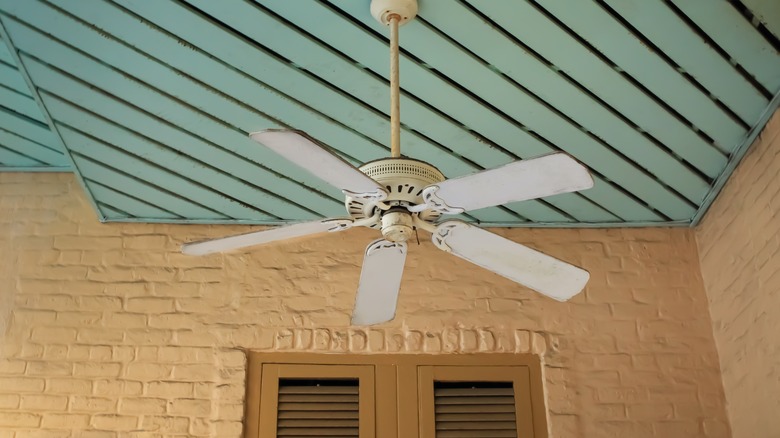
<point x="739" y="248"/>
<point x="112" y="332"/>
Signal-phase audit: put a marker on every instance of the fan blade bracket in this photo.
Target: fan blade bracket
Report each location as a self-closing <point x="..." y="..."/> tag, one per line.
<point x="434" y="202"/>
<point x="339" y="224"/>
<point x="375" y="196"/>
<point x="442" y="231"/>
<point x="384" y="245"/>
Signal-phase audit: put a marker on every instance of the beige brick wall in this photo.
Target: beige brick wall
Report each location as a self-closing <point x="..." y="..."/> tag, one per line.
<point x="739" y="248"/>
<point x="112" y="332"/>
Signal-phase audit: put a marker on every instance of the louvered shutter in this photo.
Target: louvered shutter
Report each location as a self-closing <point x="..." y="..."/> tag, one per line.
<point x="304" y="401"/>
<point x="326" y="408"/>
<point x="475" y="402"/>
<point x="474" y="409"/>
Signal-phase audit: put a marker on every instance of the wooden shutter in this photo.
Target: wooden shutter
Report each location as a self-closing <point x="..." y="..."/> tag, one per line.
<point x="398" y="395"/>
<point x="304" y="401"/>
<point x="327" y="408"/>
<point x="476" y="402"/>
<point x="474" y="409"/>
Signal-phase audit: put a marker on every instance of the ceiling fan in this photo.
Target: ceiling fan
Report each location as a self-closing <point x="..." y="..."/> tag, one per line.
<point x="401" y="195"/>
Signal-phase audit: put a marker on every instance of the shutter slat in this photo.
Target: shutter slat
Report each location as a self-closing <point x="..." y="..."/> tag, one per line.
<point x="477" y="434"/>
<point x="318" y="390"/>
<point x="316" y="422"/>
<point x="449" y="392"/>
<point x="318" y="398"/>
<point x="453" y="409"/>
<point x="318" y="408"/>
<point x="475" y="410"/>
<point x="329" y="436"/>
<point x="509" y="416"/>
<point x="318" y="414"/>
<point x="317" y="431"/>
<point x="470" y="425"/>
<point x="475" y="400"/>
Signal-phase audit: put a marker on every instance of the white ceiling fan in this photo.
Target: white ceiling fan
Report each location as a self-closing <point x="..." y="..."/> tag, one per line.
<point x="400" y="195"/>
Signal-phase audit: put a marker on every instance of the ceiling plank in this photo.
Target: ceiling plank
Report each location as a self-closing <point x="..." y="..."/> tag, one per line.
<point x="737" y="36"/>
<point x="680" y="42"/>
<point x="527" y="70"/>
<point x="623" y="48"/>
<point x="541" y="34"/>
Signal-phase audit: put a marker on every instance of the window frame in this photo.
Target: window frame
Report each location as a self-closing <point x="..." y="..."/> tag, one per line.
<point x="398" y="410"/>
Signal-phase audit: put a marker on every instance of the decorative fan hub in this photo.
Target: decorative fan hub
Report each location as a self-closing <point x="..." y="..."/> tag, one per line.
<point x="404" y="179"/>
<point x="397" y="226"/>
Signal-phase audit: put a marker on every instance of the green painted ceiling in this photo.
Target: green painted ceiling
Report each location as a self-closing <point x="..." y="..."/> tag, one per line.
<point x="153" y="100"/>
<point x="26" y="143"/>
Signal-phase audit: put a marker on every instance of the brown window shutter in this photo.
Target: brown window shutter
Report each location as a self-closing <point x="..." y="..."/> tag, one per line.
<point x="478" y="402"/>
<point x="474" y="409"/>
<point x="324" y="408"/>
<point x="310" y="400"/>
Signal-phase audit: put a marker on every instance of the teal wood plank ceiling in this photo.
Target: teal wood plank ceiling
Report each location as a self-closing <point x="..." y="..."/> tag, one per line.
<point x="154" y="100"/>
<point x="26" y="143"/>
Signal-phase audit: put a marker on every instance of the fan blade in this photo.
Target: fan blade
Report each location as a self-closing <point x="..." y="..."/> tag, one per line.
<point x="265" y="236"/>
<point x="516" y="181"/>
<point x="304" y="151"/>
<point x="380" y="280"/>
<point x="540" y="272"/>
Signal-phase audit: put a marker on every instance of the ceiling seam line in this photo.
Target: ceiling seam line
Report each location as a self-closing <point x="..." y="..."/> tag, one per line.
<point x="682" y="71"/>
<point x="216" y="91"/>
<point x="641" y="203"/>
<point x="744" y="11"/>
<point x="123" y="102"/>
<point x="132" y="78"/>
<point x="718" y="49"/>
<point x="412" y="96"/>
<point x="36" y="169"/>
<point x="567" y="119"/>
<point x="607" y="106"/>
<point x="23" y="116"/>
<point x="134" y="132"/>
<point x="268" y="52"/>
<point x="50" y="121"/>
<point x="143" y="182"/>
<point x="5" y="87"/>
<point x="359" y="102"/>
<point x="150" y="164"/>
<point x="485" y="224"/>
<point x="112" y="207"/>
<point x="498" y="113"/>
<point x="143" y="201"/>
<point x="739" y="153"/>
<point x="635" y="82"/>
<point x="8" y="148"/>
<point x="32" y="141"/>
<point x="510" y="120"/>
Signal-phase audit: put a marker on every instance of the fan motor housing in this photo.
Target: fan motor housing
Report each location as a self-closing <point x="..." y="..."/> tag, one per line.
<point x="404" y="179"/>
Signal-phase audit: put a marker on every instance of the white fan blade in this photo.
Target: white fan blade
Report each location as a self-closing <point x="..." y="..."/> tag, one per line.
<point x="265" y="236"/>
<point x="516" y="181"/>
<point x="380" y="280"/>
<point x="540" y="272"/>
<point x="304" y="151"/>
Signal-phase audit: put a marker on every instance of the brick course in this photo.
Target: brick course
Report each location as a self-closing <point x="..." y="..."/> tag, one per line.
<point x="112" y="332"/>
